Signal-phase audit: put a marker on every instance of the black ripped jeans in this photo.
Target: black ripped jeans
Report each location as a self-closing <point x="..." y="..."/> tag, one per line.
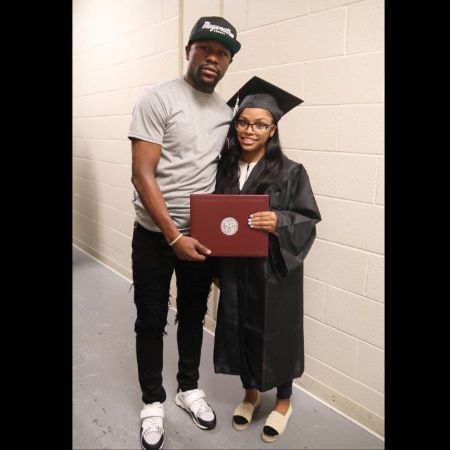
<point x="153" y="265"/>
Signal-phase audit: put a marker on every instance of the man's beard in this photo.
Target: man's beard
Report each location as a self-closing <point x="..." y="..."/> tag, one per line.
<point x="200" y="79"/>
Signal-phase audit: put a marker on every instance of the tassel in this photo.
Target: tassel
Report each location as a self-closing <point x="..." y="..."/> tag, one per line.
<point x="236" y="106"/>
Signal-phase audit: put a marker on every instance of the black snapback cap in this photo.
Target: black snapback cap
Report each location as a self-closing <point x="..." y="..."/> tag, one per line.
<point x="218" y="29"/>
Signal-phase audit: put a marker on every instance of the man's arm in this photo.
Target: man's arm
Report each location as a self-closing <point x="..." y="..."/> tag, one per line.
<point x="145" y="160"/>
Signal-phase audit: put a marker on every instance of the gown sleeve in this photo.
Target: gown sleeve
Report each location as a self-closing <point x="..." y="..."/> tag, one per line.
<point x="296" y="226"/>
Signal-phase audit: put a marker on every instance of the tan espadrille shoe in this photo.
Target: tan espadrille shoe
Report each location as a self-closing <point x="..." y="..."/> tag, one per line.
<point x="275" y="425"/>
<point x="243" y="414"/>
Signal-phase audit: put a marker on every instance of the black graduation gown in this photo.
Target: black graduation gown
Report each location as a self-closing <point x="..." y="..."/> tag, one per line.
<point x="259" y="329"/>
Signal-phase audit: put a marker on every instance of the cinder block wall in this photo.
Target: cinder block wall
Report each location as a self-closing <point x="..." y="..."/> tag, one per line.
<point x="119" y="47"/>
<point x="328" y="52"/>
<point x="331" y="54"/>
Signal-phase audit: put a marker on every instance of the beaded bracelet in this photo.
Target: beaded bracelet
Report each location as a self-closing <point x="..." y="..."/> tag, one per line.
<point x="176" y="239"/>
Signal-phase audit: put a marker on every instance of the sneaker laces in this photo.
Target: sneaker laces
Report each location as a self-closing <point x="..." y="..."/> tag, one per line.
<point x="200" y="406"/>
<point x="149" y="425"/>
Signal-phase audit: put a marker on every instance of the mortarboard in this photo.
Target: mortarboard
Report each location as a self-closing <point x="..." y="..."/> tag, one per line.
<point x="259" y="93"/>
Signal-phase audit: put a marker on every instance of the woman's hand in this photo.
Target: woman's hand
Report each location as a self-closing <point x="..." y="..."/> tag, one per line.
<point x="263" y="220"/>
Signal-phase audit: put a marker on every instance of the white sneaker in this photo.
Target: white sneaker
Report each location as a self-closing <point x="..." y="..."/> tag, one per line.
<point x="194" y="403"/>
<point x="152" y="429"/>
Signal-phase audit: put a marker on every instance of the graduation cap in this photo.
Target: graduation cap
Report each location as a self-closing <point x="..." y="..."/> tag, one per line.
<point x="259" y="93"/>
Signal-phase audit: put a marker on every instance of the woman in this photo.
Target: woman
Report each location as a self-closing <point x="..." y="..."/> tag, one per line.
<point x="259" y="330"/>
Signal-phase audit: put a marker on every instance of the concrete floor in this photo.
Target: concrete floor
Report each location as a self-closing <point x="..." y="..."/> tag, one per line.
<point x="107" y="398"/>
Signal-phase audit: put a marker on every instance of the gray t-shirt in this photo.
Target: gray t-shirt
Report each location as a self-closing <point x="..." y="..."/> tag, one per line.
<point x="191" y="127"/>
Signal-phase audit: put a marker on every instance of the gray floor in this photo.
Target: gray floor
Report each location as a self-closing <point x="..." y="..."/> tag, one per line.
<point x="106" y="395"/>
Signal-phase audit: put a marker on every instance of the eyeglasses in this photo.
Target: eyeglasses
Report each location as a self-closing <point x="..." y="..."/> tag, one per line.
<point x="242" y="125"/>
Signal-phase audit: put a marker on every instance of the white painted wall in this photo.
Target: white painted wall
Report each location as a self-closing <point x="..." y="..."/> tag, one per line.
<point x="328" y="52"/>
<point x="120" y="47"/>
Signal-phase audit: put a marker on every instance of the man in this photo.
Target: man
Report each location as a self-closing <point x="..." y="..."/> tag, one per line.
<point x="177" y="131"/>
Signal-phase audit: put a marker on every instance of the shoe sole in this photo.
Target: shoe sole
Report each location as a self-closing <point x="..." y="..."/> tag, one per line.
<point x="194" y="419"/>
<point x="269" y="439"/>
<point x="238" y="426"/>
<point x="159" y="448"/>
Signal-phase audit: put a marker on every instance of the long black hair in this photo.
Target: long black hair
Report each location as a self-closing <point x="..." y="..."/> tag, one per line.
<point x="227" y="181"/>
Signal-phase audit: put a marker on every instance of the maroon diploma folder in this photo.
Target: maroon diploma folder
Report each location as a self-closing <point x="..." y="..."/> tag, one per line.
<point x="220" y="222"/>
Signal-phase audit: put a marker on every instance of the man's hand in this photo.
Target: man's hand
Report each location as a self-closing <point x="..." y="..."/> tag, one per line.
<point x="263" y="220"/>
<point x="190" y="249"/>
